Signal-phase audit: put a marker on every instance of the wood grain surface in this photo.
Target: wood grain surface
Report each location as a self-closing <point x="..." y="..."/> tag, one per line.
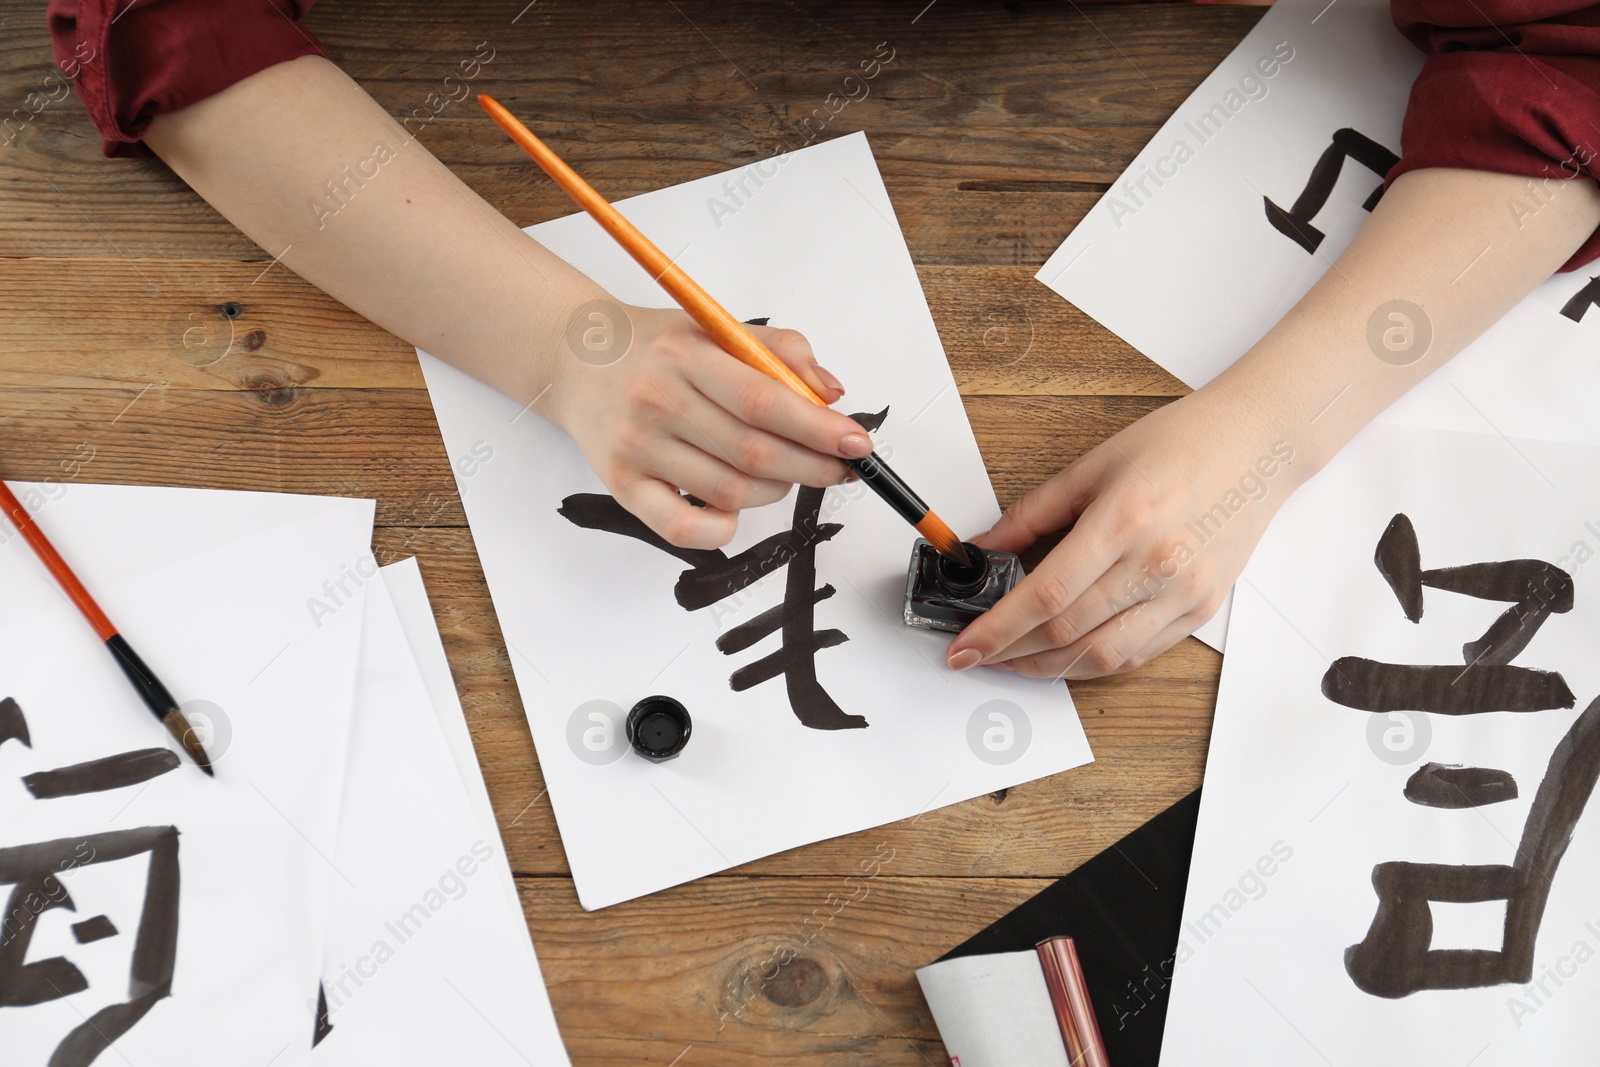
<point x="142" y="331"/>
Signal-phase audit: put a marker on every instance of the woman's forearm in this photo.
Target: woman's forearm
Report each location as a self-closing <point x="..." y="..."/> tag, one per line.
<point x="1442" y="241"/>
<point x="308" y="165"/>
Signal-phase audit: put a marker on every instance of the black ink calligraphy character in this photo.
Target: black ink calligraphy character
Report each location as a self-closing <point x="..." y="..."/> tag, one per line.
<point x="13" y="727"/>
<point x="97" y="776"/>
<point x="1295" y="223"/>
<point x="1585" y="298"/>
<point x="1394" y="959"/>
<point x="32" y="870"/>
<point x="34" y="873"/>
<point x="713" y="575"/>
<point x="1435" y="785"/>
<point x="1488" y="682"/>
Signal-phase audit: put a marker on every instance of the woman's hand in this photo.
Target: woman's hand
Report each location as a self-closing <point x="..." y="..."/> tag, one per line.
<point x="1163" y="517"/>
<point x="675" y="412"/>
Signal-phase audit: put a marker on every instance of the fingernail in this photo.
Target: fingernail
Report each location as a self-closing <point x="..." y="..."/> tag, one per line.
<point x="829" y="380"/>
<point x="966" y="659"/>
<point x="856" y="445"/>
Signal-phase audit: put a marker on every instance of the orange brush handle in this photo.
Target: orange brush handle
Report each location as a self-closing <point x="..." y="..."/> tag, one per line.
<point x="727" y="331"/>
<point x="52" y="559"/>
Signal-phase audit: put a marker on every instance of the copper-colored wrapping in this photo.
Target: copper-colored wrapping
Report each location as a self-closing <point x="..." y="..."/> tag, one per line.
<point x="1063" y="975"/>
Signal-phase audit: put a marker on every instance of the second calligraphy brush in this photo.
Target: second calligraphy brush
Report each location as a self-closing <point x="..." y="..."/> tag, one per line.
<point x="149" y="687"/>
<point x="726" y="330"/>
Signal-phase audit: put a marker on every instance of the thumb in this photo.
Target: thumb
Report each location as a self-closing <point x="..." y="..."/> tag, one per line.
<point x="792" y="347"/>
<point x="1052" y="506"/>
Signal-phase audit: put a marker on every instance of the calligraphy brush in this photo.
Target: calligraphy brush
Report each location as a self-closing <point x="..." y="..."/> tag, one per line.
<point x="727" y="331"/>
<point x="151" y="691"/>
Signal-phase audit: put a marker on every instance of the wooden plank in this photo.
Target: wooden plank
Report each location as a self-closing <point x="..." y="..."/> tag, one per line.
<point x="382" y="444"/>
<point x="210" y="324"/>
<point x="1059" y="119"/>
<point x="745" y="972"/>
<point x="63" y="200"/>
<point x="1005" y="333"/>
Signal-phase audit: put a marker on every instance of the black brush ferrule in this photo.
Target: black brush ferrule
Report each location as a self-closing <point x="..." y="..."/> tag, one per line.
<point x="150" y="689"/>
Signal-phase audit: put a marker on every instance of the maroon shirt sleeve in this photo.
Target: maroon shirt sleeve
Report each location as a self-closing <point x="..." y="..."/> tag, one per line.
<point x="132" y="61"/>
<point x="1511" y="86"/>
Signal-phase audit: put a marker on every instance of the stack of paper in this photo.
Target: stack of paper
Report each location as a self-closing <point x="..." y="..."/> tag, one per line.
<point x="346" y="845"/>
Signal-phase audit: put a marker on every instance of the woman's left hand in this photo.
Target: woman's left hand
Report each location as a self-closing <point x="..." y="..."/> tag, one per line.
<point x="1163" y="517"/>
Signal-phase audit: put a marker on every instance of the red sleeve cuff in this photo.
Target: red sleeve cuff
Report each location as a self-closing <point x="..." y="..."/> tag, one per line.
<point x="1511" y="113"/>
<point x="132" y="61"/>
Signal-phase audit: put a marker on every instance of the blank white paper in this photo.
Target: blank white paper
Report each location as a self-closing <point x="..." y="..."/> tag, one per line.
<point x="994" y="1010"/>
<point x="427" y="960"/>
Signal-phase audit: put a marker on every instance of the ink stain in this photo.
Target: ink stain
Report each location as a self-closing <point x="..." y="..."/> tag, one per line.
<point x="799" y="982"/>
<point x="1436" y="785"/>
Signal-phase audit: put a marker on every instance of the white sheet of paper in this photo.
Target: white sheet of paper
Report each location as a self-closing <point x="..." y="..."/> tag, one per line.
<point x="1192" y="242"/>
<point x="994" y="1010"/>
<point x="213" y="590"/>
<point x="1214" y="631"/>
<point x="1198" y="246"/>
<point x="1304" y="796"/>
<point x="422" y="633"/>
<point x="603" y="625"/>
<point x="427" y="961"/>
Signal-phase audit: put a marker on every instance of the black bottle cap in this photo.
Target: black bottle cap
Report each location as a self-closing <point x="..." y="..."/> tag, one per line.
<point x="658" y="728"/>
<point x="963" y="578"/>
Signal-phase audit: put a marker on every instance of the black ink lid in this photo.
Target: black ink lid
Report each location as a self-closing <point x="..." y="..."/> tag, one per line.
<point x="658" y="728"/>
<point x="963" y="578"/>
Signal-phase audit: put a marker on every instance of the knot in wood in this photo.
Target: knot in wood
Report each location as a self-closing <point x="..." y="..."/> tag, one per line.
<point x="799" y="982"/>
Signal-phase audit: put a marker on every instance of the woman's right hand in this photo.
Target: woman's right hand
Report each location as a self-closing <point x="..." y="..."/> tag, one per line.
<point x="676" y="414"/>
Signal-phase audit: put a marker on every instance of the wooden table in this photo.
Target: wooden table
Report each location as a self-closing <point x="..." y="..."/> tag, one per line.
<point x="996" y="127"/>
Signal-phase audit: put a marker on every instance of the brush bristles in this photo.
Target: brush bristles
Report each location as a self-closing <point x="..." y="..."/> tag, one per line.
<point x="941" y="537"/>
<point x="178" y="726"/>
